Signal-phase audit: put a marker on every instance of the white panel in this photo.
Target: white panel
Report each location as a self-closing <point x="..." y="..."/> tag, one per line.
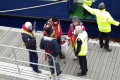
<point x="79" y="1"/>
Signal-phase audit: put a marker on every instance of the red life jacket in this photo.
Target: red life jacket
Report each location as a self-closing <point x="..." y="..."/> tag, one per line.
<point x="47" y="49"/>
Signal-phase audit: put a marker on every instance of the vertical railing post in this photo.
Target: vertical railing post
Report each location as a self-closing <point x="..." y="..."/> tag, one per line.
<point x="34" y="26"/>
<point x="16" y="60"/>
<point x="54" y="67"/>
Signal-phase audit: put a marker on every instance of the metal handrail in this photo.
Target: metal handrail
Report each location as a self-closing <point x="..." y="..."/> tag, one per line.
<point x="15" y="58"/>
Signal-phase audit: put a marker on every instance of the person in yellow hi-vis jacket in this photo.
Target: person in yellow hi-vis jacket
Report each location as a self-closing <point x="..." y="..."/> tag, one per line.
<point x="89" y="3"/>
<point x="104" y="21"/>
<point x="81" y="49"/>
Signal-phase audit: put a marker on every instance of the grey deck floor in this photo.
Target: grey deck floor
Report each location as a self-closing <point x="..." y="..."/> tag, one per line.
<point x="102" y="65"/>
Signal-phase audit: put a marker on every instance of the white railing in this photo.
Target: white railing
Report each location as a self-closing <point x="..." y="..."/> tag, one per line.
<point x="16" y="60"/>
<point x="33" y="7"/>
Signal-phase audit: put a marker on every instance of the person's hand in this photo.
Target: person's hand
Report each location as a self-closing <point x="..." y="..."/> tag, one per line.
<point x="53" y="35"/>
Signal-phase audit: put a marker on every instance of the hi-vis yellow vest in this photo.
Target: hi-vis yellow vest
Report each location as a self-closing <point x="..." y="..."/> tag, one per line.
<point x="104" y="19"/>
<point x="88" y="2"/>
<point x="84" y="38"/>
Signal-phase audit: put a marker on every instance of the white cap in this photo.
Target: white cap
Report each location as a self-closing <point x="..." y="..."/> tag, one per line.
<point x="79" y="29"/>
<point x="28" y="24"/>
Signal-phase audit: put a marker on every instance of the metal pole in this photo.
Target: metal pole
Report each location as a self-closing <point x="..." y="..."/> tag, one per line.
<point x="54" y="68"/>
<point x="34" y="26"/>
<point x="16" y="61"/>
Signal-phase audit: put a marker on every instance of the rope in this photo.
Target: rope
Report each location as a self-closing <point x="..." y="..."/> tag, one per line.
<point x="31" y="7"/>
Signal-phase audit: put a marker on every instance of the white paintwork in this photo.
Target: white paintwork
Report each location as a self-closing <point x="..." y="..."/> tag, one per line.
<point x="69" y="77"/>
<point x="111" y="43"/>
<point x="5" y="28"/>
<point x="79" y="1"/>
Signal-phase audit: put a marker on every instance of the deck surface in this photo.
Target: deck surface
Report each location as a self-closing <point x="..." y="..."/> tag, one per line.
<point x="102" y="65"/>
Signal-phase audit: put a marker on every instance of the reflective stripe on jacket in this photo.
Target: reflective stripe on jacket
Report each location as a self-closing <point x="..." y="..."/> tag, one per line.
<point x="84" y="37"/>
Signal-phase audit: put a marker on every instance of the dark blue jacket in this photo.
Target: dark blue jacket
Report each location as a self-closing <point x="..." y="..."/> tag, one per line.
<point x="48" y="43"/>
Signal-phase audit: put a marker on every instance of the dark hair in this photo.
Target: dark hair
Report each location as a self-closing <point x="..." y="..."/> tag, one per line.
<point x="48" y="29"/>
<point x="101" y="6"/>
<point x="54" y="19"/>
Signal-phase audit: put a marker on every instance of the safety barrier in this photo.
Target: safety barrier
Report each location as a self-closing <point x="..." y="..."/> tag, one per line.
<point x="16" y="60"/>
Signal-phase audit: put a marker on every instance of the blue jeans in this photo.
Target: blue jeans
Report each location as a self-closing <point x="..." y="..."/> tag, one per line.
<point x="50" y="62"/>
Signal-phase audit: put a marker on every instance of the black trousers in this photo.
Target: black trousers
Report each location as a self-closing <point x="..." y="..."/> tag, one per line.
<point x="33" y="57"/>
<point x="58" y="40"/>
<point x="83" y="64"/>
<point x="85" y="13"/>
<point x="107" y="39"/>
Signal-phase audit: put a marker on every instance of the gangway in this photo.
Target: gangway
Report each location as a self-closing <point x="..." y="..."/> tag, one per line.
<point x="102" y="65"/>
<point x="23" y="72"/>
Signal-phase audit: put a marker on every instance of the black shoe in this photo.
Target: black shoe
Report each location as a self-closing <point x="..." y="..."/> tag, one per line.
<point x="59" y="73"/>
<point x="108" y="49"/>
<point x="52" y="72"/>
<point x="62" y="57"/>
<point x="101" y="46"/>
<point x="38" y="71"/>
<point x="80" y="74"/>
<point x="31" y="65"/>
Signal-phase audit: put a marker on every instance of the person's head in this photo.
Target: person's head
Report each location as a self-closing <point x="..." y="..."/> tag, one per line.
<point x="55" y="20"/>
<point x="101" y="6"/>
<point x="28" y="26"/>
<point x="49" y="30"/>
<point x="75" y="20"/>
<point x="78" y="29"/>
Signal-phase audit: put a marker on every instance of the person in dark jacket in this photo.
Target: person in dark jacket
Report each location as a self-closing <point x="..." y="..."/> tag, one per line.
<point x="30" y="42"/>
<point x="55" y="23"/>
<point x="51" y="46"/>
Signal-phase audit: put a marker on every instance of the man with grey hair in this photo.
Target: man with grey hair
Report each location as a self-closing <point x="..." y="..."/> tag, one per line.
<point x="71" y="32"/>
<point x="81" y="49"/>
<point x="30" y="43"/>
<point x="104" y="21"/>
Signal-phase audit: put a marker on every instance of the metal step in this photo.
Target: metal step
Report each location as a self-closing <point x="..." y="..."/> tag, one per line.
<point x="25" y="72"/>
<point x="69" y="77"/>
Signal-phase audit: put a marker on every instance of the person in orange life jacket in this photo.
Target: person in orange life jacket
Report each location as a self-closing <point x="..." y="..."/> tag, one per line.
<point x="30" y="42"/>
<point x="58" y="31"/>
<point x="81" y="49"/>
<point x="71" y="32"/>
<point x="50" y="45"/>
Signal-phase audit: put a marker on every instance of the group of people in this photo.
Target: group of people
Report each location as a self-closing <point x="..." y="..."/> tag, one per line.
<point x="77" y="38"/>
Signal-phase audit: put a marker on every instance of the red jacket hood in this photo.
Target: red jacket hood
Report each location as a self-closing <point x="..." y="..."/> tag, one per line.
<point x="23" y="26"/>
